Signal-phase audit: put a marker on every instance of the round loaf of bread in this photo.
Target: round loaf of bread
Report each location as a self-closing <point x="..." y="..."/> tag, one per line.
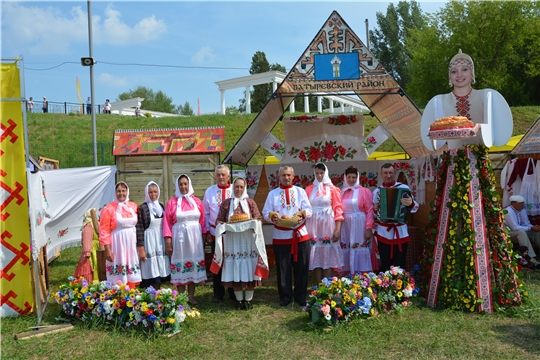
<point x="239" y="217"/>
<point x="449" y="122"/>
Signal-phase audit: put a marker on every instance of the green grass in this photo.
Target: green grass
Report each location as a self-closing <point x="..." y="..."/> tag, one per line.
<point x="68" y="138"/>
<point x="268" y="331"/>
<point x="272" y="332"/>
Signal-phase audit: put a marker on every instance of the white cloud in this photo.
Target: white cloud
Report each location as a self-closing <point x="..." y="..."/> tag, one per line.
<point x="204" y="55"/>
<point x="49" y="30"/>
<point x="107" y="79"/>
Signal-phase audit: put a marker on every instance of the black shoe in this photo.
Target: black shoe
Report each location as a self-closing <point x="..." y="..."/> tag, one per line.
<point x="217" y="301"/>
<point x="301" y="303"/>
<point x="249" y="305"/>
<point x="284" y="303"/>
<point x="240" y="305"/>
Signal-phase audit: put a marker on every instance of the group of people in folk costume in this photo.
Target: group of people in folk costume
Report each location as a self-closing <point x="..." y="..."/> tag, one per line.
<point x="335" y="230"/>
<point x="152" y="244"/>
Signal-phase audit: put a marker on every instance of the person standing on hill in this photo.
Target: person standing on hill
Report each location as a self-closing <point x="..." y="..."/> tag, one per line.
<point x="107" y="107"/>
<point x="89" y="106"/>
<point x="45" y="106"/>
<point x="30" y="105"/>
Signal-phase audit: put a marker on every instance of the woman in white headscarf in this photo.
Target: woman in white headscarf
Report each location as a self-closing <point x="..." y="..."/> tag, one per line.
<point x="242" y="252"/>
<point x="183" y="226"/>
<point x="324" y="225"/>
<point x="118" y="235"/>
<point x="358" y="224"/>
<point x="155" y="264"/>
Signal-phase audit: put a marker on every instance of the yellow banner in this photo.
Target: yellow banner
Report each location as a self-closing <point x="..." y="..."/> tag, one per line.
<point x="16" y="297"/>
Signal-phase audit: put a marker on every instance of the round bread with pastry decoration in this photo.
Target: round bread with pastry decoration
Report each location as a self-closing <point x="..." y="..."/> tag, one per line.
<point x="239" y="217"/>
<point x="450" y="122"/>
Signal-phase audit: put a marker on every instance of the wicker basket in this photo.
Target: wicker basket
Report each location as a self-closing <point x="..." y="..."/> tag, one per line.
<point x="290" y="222"/>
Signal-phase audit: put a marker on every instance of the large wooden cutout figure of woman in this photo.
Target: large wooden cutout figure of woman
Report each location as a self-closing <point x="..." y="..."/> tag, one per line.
<point x="467" y="261"/>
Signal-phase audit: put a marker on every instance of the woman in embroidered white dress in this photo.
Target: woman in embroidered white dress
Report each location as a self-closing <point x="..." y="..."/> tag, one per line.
<point x="117" y="234"/>
<point x="357" y="227"/>
<point x="155" y="264"/>
<point x="241" y="249"/>
<point x="183" y="226"/>
<point x="324" y="226"/>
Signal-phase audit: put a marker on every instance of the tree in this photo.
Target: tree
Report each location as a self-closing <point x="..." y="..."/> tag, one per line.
<point x="501" y="37"/>
<point x="388" y="41"/>
<point x="185" y="110"/>
<point x="260" y="93"/>
<point x="155" y="101"/>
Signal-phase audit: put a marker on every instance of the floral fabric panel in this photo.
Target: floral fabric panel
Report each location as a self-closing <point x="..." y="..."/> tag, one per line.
<point x="120" y="269"/>
<point x="253" y="176"/>
<point x="310" y="139"/>
<point x="274" y="146"/>
<point x="188" y="266"/>
<point x="376" y="138"/>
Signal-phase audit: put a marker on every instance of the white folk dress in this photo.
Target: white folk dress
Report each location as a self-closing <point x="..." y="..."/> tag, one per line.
<point x="125" y="266"/>
<point x="356" y="252"/>
<point x="157" y="264"/>
<point x="241" y="251"/>
<point x="187" y="261"/>
<point x="325" y="253"/>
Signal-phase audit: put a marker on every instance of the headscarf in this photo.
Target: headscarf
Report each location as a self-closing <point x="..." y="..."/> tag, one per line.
<point x="123" y="207"/>
<point x="346" y="185"/>
<point x="179" y="195"/>
<point x="318" y="186"/>
<point x="154" y="206"/>
<point x="461" y="59"/>
<point x="239" y="200"/>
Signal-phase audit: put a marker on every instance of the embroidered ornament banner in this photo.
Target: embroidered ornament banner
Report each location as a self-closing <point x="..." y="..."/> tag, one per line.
<point x="324" y="139"/>
<point x="16" y="297"/>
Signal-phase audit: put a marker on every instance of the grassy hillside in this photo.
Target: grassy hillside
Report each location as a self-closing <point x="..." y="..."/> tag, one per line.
<point x="68" y="138"/>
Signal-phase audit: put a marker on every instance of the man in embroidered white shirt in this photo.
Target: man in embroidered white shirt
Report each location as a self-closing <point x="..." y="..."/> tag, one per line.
<point x="518" y="222"/>
<point x="291" y="245"/>
<point x="213" y="197"/>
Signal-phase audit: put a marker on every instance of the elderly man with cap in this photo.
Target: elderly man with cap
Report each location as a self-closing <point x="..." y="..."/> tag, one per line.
<point x="518" y="222"/>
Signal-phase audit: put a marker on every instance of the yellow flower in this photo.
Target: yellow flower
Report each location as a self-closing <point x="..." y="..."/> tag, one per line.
<point x="84" y="290"/>
<point x="333" y="303"/>
<point x="129" y="303"/>
<point x="170" y="320"/>
<point x="469" y="221"/>
<point x="454" y="205"/>
<point x="399" y="294"/>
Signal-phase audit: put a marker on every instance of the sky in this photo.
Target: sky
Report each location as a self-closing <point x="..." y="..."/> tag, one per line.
<point x="183" y="47"/>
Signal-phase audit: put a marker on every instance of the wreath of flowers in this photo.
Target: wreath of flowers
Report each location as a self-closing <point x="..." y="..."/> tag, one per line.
<point x="340" y="300"/>
<point x="118" y="305"/>
<point x="458" y="277"/>
<point x="342" y="119"/>
<point x="323" y="152"/>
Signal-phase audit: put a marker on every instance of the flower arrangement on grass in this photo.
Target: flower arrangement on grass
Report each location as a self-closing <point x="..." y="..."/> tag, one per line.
<point x="103" y="303"/>
<point x="339" y="300"/>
